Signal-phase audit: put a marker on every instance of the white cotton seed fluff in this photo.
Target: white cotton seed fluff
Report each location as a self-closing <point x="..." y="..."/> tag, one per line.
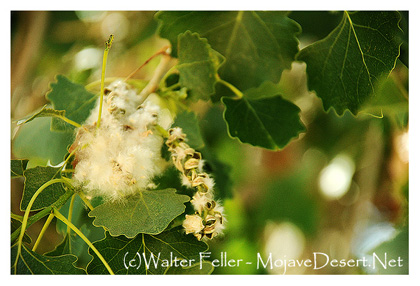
<point x="220" y="226"/>
<point x="122" y="156"/>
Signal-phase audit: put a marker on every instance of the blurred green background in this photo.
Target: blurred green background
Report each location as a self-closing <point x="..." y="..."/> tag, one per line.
<point x="340" y="189"/>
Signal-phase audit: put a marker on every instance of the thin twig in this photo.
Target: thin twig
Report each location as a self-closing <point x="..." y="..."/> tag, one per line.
<point x="162" y="51"/>
<point x="85" y="239"/>
<point x="41" y="234"/>
<point x="159" y="73"/>
<point x="108" y="45"/>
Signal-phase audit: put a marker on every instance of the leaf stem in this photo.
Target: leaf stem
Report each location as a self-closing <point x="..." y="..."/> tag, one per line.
<point x="85" y="239"/>
<point x="40" y="114"/>
<point x="108" y="45"/>
<point x="236" y="91"/>
<point x="95" y="83"/>
<point x="36" y="217"/>
<point x="70" y="212"/>
<point x="16" y="217"/>
<point x="44" y="228"/>
<point x="159" y="73"/>
<point x="162" y="51"/>
<point x="161" y="131"/>
<point x="69" y="121"/>
<point x="27" y="211"/>
<point x="85" y="200"/>
<point x="172" y="87"/>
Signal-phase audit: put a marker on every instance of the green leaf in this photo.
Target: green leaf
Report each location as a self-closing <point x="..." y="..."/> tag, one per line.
<point x="188" y="121"/>
<point x="34" y="179"/>
<point x="199" y="268"/>
<point x="261" y="119"/>
<point x="120" y="251"/>
<point x="197" y="66"/>
<point x="149" y="212"/>
<point x="74" y="99"/>
<point x="17" y="167"/>
<point x="44" y="112"/>
<point x="36" y="142"/>
<point x="34" y="263"/>
<point x="257" y="45"/>
<point x="344" y="67"/>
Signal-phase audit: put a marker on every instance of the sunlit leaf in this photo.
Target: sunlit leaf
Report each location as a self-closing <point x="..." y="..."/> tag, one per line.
<point x="149" y="212"/>
<point x="74" y="99"/>
<point x="36" y="142"/>
<point x="34" y="179"/>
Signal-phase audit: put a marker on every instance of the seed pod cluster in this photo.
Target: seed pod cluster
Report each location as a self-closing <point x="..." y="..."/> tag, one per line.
<point x="208" y="221"/>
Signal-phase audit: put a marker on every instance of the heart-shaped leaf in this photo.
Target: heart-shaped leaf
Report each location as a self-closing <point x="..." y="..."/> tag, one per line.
<point x="261" y="119"/>
<point x="344" y="67"/>
<point x="149" y="212"/>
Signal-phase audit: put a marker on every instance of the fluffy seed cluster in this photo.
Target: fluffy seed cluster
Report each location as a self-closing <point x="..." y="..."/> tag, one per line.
<point x="124" y="153"/>
<point x="208" y="219"/>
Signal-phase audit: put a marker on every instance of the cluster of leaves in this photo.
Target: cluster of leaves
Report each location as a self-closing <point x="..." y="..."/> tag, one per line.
<point x="244" y="54"/>
<point x="236" y="58"/>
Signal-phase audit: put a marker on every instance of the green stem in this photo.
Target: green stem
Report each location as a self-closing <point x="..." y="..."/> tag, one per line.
<point x="61" y="170"/>
<point x="93" y="84"/>
<point x="108" y="45"/>
<point x="236" y="91"/>
<point x="161" y="131"/>
<point x="36" y="217"/>
<point x="41" y="234"/>
<point x="70" y="212"/>
<point x="82" y="236"/>
<point x="16" y="217"/>
<point x="172" y="87"/>
<point x="69" y="121"/>
<point x="85" y="200"/>
<point x="28" y="209"/>
<point x="167" y="74"/>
